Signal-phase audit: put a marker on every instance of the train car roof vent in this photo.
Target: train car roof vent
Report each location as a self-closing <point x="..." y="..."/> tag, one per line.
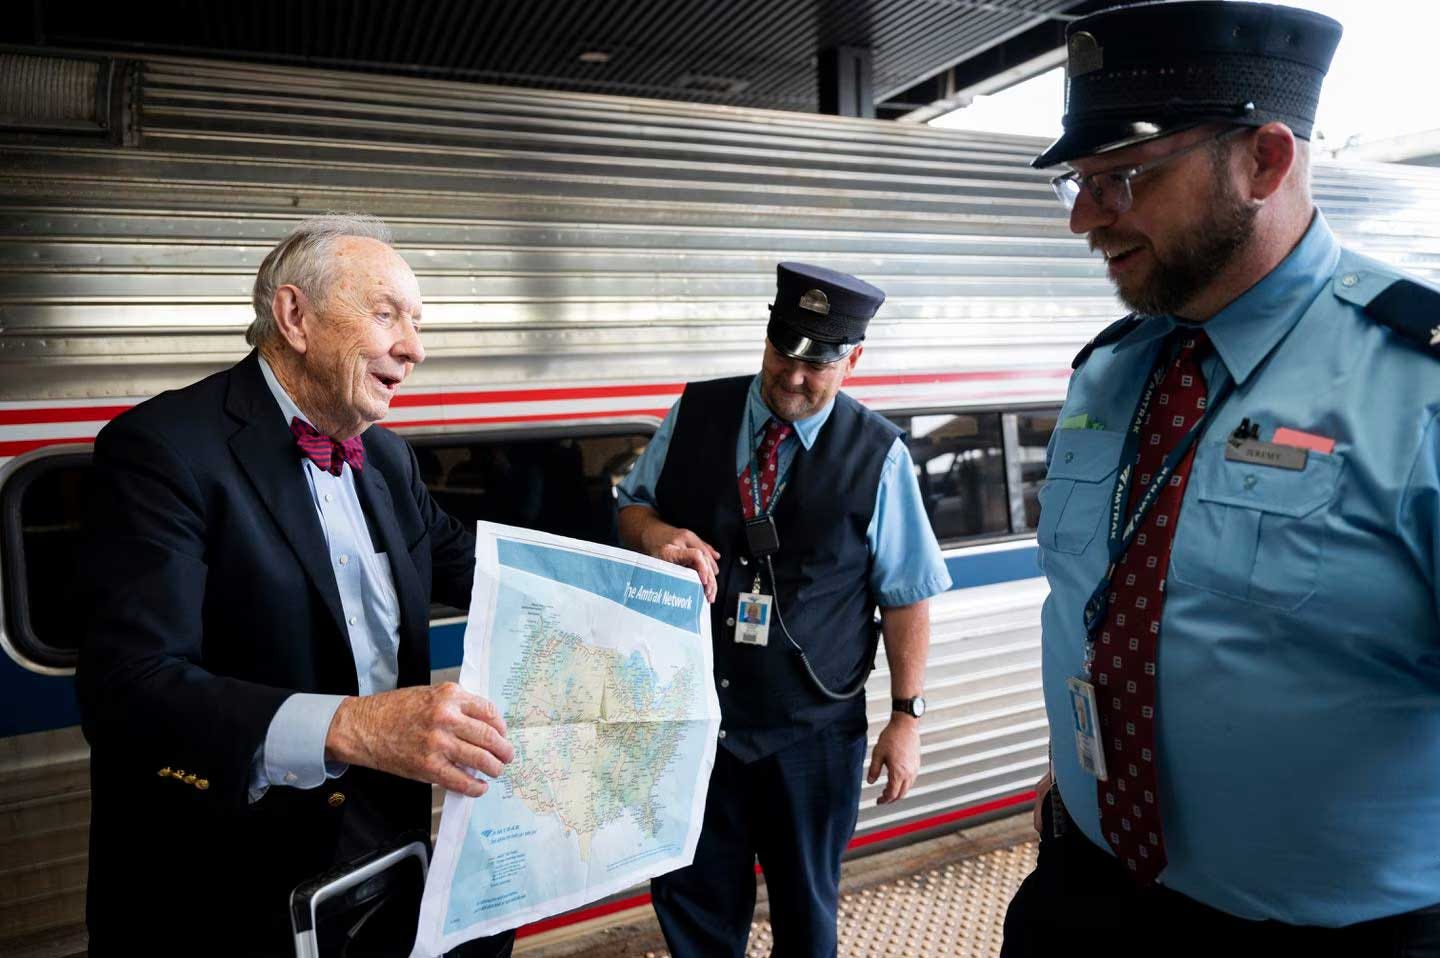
<point x="59" y="94"/>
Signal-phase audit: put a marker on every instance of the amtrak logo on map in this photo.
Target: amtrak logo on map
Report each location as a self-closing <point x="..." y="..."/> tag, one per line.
<point x="600" y="661"/>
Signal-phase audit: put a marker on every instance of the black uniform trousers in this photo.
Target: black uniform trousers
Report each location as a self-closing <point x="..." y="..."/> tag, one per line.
<point x="1080" y="901"/>
<point x="795" y="811"/>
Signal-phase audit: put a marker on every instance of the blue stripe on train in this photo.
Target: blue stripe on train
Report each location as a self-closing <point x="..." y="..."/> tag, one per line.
<point x="988" y="568"/>
<point x="34" y="703"/>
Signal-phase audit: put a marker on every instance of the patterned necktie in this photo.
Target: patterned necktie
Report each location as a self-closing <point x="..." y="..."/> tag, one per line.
<point x="327" y="454"/>
<point x="768" y="457"/>
<point x="1126" y="648"/>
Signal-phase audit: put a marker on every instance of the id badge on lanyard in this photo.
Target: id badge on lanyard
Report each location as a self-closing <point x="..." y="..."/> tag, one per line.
<point x="1086" y="719"/>
<point x="752" y="618"/>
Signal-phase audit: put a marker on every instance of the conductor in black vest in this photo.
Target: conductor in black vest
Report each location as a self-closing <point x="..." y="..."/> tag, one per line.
<point x="800" y="511"/>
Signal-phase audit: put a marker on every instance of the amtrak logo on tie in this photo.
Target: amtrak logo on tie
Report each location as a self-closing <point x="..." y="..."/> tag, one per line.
<point x="1435" y="336"/>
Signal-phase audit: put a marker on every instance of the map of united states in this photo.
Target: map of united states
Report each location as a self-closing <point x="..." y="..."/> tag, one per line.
<point x="594" y="730"/>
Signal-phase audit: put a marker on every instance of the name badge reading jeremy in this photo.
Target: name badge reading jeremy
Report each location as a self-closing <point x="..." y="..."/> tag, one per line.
<point x="1087" y="727"/>
<point x="752" y="619"/>
<point x="1258" y="453"/>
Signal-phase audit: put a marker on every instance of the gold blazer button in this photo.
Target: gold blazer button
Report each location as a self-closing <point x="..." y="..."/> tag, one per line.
<point x="337" y="799"/>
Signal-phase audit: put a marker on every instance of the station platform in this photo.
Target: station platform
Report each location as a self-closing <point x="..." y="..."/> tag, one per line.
<point x="945" y="896"/>
<point x="942" y="897"/>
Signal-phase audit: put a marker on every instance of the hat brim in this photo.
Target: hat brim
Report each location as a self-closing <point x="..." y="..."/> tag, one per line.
<point x="1090" y="139"/>
<point x="797" y="345"/>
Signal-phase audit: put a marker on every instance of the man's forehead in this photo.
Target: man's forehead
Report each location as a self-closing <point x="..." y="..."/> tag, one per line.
<point x="376" y="270"/>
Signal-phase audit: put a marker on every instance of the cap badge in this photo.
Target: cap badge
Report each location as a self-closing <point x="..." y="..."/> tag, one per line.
<point x="1086" y="55"/>
<point x="816" y="301"/>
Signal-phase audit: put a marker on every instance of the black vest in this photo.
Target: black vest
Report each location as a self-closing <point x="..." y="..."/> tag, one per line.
<point x="766" y="700"/>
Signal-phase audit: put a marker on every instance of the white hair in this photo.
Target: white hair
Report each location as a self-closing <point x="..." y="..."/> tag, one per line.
<point x="302" y="259"/>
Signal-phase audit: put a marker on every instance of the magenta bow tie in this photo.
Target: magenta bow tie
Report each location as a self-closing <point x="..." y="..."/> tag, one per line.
<point x="328" y="454"/>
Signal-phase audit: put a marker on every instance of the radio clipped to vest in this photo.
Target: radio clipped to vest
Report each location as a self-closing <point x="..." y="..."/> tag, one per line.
<point x="761" y="536"/>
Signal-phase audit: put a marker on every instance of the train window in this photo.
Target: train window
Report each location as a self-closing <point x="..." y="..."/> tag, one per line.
<point x="564" y="484"/>
<point x="979" y="472"/>
<point x="44" y="505"/>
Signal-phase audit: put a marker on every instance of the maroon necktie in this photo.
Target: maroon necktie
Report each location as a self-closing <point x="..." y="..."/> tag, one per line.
<point x="768" y="457"/>
<point x="1126" y="648"/>
<point x="327" y="454"/>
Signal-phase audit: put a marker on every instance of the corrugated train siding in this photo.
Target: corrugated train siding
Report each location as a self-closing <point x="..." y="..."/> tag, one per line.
<point x="531" y="217"/>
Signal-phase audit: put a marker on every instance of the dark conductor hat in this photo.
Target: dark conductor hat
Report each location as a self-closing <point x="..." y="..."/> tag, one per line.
<point x="819" y="315"/>
<point x="1140" y="72"/>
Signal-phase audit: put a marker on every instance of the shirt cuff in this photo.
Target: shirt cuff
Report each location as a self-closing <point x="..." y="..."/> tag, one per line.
<point x="640" y="498"/>
<point x="294" y="750"/>
<point x="928" y="589"/>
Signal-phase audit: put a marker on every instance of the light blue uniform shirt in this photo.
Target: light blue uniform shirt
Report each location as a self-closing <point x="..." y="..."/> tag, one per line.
<point x="907" y="563"/>
<point x="1298" y="700"/>
<point x="294" y="750"/>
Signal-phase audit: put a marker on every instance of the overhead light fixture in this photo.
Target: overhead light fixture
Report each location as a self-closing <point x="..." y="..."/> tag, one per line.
<point x="594" y="56"/>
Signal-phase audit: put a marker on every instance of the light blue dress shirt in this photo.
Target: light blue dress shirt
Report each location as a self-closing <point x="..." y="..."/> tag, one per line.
<point x="294" y="749"/>
<point x="1298" y="698"/>
<point x="907" y="563"/>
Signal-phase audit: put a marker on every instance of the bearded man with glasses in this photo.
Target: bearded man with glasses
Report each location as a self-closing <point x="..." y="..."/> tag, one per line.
<point x="1240" y="525"/>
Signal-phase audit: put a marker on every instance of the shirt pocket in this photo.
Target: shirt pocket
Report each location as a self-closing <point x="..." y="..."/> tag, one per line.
<point x="1255" y="533"/>
<point x="1077" y="488"/>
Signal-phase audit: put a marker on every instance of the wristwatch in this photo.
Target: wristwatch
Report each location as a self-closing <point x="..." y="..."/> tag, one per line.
<point x="915" y="706"/>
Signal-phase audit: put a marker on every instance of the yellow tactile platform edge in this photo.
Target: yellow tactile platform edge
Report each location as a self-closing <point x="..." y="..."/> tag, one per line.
<point x="956" y="910"/>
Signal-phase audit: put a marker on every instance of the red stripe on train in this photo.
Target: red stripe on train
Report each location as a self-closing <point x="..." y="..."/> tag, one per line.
<point x="58" y="414"/>
<point x="674" y="389"/>
<point x="30" y="417"/>
<point x="640" y="901"/>
<point x="535" y="395"/>
<point x="912" y="379"/>
<point x="534" y="417"/>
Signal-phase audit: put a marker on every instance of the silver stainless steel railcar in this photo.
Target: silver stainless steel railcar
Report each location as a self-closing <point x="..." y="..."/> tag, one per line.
<point x="581" y="257"/>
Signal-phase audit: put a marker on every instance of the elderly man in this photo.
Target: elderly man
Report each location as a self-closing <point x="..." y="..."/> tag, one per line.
<point x="794" y="501"/>
<point x="254" y="681"/>
<point x="1240" y="527"/>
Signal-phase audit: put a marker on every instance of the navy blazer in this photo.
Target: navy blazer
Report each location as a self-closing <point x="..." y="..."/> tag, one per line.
<point x="212" y="600"/>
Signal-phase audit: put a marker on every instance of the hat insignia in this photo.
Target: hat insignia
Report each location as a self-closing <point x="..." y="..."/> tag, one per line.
<point x="1086" y="55"/>
<point x="816" y="301"/>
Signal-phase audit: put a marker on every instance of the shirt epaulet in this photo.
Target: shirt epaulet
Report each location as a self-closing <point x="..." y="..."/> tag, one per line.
<point x="1113" y="333"/>
<point x="1410" y="309"/>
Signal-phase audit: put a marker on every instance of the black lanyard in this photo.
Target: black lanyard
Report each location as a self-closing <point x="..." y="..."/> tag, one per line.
<point x="755" y="469"/>
<point x="1121" y="533"/>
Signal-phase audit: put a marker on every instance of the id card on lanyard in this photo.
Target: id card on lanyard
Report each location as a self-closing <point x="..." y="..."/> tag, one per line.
<point x="1121" y="534"/>
<point x="752" y="609"/>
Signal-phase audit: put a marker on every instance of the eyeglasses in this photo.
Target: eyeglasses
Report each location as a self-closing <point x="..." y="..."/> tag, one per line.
<point x="1110" y="189"/>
